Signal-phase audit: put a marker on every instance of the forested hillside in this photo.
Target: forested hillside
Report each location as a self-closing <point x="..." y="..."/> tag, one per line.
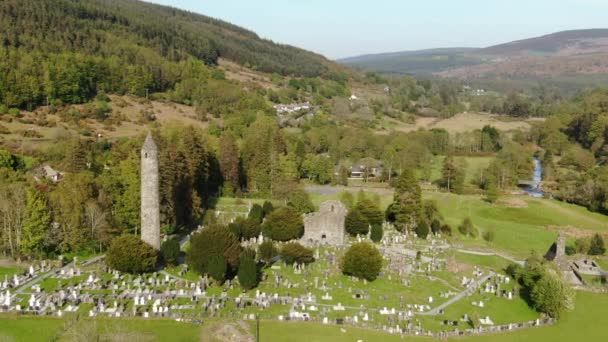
<point x="68" y="49"/>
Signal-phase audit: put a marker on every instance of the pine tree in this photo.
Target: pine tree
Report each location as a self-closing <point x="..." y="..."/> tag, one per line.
<point x="248" y="271"/>
<point x="229" y="160"/>
<point x="448" y="173"/>
<point x="376" y="233"/>
<point x="406" y="209"/>
<point x="217" y="268"/>
<point x="36" y="224"/>
<point x="371" y="212"/>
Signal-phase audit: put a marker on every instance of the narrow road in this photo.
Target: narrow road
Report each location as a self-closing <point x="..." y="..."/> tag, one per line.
<point x="45" y="275"/>
<point x="461" y="295"/>
<point x="504" y="256"/>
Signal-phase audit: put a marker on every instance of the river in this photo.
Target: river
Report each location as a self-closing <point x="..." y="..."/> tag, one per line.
<point x="537" y="176"/>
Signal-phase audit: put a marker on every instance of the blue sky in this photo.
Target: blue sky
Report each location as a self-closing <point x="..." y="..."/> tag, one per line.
<point x="343" y="28"/>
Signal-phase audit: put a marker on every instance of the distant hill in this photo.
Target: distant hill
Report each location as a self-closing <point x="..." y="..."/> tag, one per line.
<point x="579" y="54"/>
<point x="415" y="62"/>
<point x="104" y="27"/>
<point x="562" y="43"/>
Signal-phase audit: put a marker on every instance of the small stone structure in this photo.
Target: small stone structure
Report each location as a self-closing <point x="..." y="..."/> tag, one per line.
<point x="326" y="226"/>
<point x="557" y="251"/>
<point x="150" y="203"/>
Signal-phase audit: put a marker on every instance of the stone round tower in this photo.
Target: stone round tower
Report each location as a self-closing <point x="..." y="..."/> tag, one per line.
<point x="150" y="203"/>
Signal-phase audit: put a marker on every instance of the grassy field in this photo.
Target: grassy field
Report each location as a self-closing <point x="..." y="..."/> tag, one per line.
<point x="474" y="165"/>
<point x="518" y="230"/>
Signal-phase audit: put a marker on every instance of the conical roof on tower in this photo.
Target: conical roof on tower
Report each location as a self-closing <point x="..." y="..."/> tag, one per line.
<point x="149" y="144"/>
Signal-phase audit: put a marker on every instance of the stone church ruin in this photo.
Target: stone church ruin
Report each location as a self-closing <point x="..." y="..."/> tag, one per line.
<point x="326" y="226"/>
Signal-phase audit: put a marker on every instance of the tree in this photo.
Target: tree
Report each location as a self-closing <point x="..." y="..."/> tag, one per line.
<point x="347" y="198"/>
<point x="256" y="213"/>
<point x="552" y="295"/>
<point x="283" y="224"/>
<point x="489" y="235"/>
<point x="229" y="162"/>
<point x="467" y="228"/>
<point x="215" y="240"/>
<point x="597" y="246"/>
<point x="376" y="233"/>
<point x="129" y="254"/>
<point x="294" y="252"/>
<point x="452" y="176"/>
<point x="250" y="228"/>
<point x="267" y="251"/>
<point x="446" y="230"/>
<point x="248" y="270"/>
<point x="363" y="261"/>
<point x="267" y="207"/>
<point x="355" y="223"/>
<point x="492" y="193"/>
<point x="217" y="268"/>
<point x="422" y="229"/>
<point x="300" y="201"/>
<point x="36" y="223"/>
<point x="406" y="209"/>
<point x="170" y="251"/>
<point x="371" y="212"/>
<point x="435" y="226"/>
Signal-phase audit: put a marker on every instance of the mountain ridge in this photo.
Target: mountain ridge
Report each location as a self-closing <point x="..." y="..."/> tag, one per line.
<point x="567" y="52"/>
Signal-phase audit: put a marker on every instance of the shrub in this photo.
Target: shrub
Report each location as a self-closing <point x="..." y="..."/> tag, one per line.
<point x="3" y="109"/>
<point x="596" y="246"/>
<point x="170" y="251"/>
<point x="129" y="254"/>
<point x="267" y="251"/>
<point x="467" y="228"/>
<point x="283" y="224"/>
<point x="212" y="241"/>
<point x="14" y="112"/>
<point x="422" y="229"/>
<point x="256" y="213"/>
<point x="300" y="201"/>
<point x="489" y="235"/>
<point x="377" y="233"/>
<point x="570" y="250"/>
<point x="217" y="268"/>
<point x="435" y="226"/>
<point x="492" y="193"/>
<point x="446" y="230"/>
<point x="362" y="260"/>
<point x="355" y="223"/>
<point x="267" y="208"/>
<point x="295" y="252"/>
<point x="582" y="245"/>
<point x="248" y="270"/>
<point x="250" y="228"/>
<point x="347" y="198"/>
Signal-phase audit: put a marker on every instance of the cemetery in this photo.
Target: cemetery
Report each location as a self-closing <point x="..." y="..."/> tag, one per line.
<point x="415" y="294"/>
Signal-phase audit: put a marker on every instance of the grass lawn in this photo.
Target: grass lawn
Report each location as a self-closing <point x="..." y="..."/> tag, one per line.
<point x="518" y="230"/>
<point x="489" y="261"/>
<point x="473" y="166"/>
<point x="9" y="271"/>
